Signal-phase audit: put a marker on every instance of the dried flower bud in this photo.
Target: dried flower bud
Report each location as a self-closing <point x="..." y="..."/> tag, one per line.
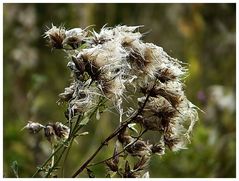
<point x="33" y="127"/>
<point x="158" y="149"/>
<point x="142" y="163"/>
<point x="127" y="168"/>
<point x="165" y="75"/>
<point x="56" y="36"/>
<point x="170" y="142"/>
<point x="61" y="130"/>
<point x="139" y="148"/>
<point x="55" y="132"/>
<point x="67" y="95"/>
<point x="79" y="64"/>
<point x="50" y="133"/>
<point x="112" y="165"/>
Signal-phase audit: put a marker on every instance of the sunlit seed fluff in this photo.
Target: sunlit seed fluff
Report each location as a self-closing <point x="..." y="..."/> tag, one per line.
<point x="74" y="37"/>
<point x="116" y="59"/>
<point x="75" y="32"/>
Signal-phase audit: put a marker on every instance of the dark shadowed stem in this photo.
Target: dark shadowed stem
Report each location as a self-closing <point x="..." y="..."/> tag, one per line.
<point x="103" y="161"/>
<point x="105" y="142"/>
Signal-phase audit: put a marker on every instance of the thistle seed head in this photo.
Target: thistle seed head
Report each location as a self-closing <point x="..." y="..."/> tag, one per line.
<point x="56" y="36"/>
<point x="107" y="64"/>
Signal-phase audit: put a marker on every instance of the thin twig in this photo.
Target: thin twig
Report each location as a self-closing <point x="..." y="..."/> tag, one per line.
<point x="44" y="164"/>
<point x="68" y="150"/>
<point x="55" y="164"/>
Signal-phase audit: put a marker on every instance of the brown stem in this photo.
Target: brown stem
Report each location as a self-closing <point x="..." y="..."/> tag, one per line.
<point x="116" y="132"/>
<point x="100" y="147"/>
<point x="103" y="161"/>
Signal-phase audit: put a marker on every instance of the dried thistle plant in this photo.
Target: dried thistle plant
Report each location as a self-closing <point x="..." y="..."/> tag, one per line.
<point x="112" y="67"/>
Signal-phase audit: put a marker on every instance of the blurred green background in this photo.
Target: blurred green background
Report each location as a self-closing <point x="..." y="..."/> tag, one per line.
<point x="202" y="35"/>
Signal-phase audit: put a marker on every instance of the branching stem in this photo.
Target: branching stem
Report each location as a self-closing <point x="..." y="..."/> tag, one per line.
<point x="103" y="161"/>
<point x="115" y="133"/>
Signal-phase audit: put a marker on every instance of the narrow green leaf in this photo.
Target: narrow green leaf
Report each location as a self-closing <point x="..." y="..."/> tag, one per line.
<point x="14" y="168"/>
<point x="85" y="121"/>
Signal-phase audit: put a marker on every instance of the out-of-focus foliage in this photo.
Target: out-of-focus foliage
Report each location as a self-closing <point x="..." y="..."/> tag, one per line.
<point x="202" y="35"/>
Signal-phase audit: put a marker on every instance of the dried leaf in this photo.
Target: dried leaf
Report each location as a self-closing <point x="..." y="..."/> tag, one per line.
<point x="141" y="164"/>
<point x="112" y="166"/>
